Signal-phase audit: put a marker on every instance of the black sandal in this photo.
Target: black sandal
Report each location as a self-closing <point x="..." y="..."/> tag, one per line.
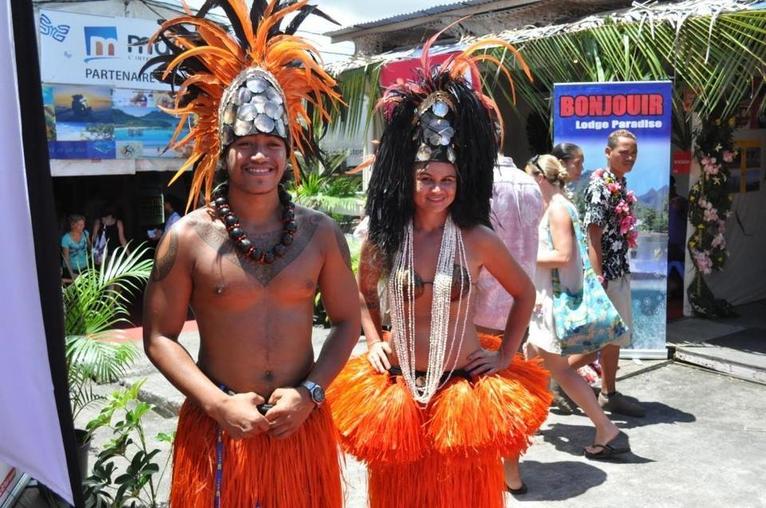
<point x="618" y="445"/>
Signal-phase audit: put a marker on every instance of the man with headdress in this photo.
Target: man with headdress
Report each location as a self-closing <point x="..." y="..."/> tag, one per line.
<point x="434" y="405"/>
<point x="254" y="430"/>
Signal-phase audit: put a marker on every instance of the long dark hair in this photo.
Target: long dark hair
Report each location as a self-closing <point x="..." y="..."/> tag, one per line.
<point x="390" y="203"/>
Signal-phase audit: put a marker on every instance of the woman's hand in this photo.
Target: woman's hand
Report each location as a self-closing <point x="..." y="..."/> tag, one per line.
<point x="378" y="356"/>
<point x="486" y="362"/>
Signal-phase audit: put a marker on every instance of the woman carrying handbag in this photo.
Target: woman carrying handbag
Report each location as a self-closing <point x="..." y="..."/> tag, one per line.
<point x="572" y="312"/>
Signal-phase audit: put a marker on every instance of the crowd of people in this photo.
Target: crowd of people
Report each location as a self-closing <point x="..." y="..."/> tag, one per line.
<point x="81" y="249"/>
<point x="472" y="255"/>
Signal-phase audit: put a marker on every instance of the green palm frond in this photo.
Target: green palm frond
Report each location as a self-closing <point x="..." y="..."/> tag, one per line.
<point x="349" y="205"/>
<point x="80" y="391"/>
<point x="717" y="56"/>
<point x="360" y="88"/>
<point x="97" y="359"/>
<point x="97" y="299"/>
<point x="94" y="303"/>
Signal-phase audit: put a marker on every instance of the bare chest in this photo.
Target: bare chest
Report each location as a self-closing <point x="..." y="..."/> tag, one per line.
<point x="222" y="276"/>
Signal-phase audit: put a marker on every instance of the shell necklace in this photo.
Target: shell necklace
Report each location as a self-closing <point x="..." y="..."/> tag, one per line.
<point x="401" y="284"/>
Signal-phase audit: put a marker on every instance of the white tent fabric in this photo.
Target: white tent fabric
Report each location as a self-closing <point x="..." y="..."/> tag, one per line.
<point x="30" y="435"/>
<point x="743" y="279"/>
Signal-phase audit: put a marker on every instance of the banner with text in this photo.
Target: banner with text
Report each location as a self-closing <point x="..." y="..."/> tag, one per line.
<point x="93" y="50"/>
<point x="585" y="114"/>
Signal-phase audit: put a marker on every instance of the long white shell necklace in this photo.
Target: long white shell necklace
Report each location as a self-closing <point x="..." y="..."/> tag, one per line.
<point x="401" y="289"/>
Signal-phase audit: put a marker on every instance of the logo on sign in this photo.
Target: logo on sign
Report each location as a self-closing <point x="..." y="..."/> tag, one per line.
<point x="100" y="42"/>
<point x="56" y="32"/>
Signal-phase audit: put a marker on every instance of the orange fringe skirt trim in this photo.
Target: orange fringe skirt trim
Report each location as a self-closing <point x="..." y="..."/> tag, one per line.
<point x="301" y="471"/>
<point x="446" y="454"/>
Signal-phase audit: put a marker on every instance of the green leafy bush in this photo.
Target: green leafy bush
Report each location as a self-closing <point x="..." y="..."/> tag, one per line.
<point x="125" y="472"/>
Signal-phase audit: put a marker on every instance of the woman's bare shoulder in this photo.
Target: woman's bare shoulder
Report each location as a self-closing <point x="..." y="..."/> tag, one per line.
<point x="558" y="211"/>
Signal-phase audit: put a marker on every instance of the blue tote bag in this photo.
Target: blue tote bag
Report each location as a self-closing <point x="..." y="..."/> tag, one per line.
<point x="586" y="319"/>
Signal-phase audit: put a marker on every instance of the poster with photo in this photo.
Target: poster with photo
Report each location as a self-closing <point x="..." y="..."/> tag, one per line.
<point x="585" y="114"/>
<point x="141" y="129"/>
<point x="83" y="119"/>
<point x="83" y="122"/>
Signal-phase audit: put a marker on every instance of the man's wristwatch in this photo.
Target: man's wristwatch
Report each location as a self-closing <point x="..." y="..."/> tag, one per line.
<point x="315" y="391"/>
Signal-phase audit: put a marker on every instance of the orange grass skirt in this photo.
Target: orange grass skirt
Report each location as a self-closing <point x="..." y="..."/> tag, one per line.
<point x="301" y="471"/>
<point x="446" y="454"/>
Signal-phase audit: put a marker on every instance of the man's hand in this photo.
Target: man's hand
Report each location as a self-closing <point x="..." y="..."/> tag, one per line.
<point x="238" y="416"/>
<point x="292" y="406"/>
<point x="486" y="362"/>
<point x="378" y="356"/>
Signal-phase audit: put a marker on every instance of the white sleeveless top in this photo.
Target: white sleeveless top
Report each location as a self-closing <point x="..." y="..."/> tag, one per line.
<point x="542" y="331"/>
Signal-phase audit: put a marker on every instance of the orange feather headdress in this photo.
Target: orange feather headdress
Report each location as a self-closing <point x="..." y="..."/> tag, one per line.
<point x="263" y="80"/>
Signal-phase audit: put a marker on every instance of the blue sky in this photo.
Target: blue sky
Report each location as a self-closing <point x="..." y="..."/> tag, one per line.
<point x="651" y="170"/>
<point x="347" y="13"/>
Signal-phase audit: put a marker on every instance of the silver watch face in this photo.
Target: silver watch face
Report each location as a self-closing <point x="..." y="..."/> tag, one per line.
<point x="317" y="394"/>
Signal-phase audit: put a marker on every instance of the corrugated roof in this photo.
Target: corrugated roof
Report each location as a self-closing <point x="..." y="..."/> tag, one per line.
<point x="437" y="9"/>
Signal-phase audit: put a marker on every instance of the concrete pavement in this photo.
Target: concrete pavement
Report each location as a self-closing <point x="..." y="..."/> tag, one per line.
<point x="702" y="443"/>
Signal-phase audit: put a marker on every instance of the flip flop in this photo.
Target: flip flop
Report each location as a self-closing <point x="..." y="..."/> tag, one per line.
<point x="517" y="492"/>
<point x="616" y="446"/>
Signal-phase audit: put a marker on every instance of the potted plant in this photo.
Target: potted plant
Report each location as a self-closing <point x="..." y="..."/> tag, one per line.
<point x="94" y="304"/>
<point x="323" y="186"/>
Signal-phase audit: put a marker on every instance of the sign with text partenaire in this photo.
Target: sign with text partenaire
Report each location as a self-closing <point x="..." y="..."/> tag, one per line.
<point x="95" y="50"/>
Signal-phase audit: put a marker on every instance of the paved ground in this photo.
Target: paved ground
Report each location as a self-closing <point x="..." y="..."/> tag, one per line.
<point x="702" y="443"/>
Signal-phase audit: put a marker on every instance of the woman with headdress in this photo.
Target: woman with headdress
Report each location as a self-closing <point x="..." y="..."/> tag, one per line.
<point x="434" y="405"/>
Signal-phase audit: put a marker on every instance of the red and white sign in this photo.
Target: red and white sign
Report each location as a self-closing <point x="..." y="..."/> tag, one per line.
<point x="405" y="70"/>
<point x="681" y="162"/>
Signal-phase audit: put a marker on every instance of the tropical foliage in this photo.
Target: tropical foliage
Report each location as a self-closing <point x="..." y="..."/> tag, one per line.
<point x="126" y="472"/>
<point x="325" y="187"/>
<point x="94" y="304"/>
<point x="359" y="88"/>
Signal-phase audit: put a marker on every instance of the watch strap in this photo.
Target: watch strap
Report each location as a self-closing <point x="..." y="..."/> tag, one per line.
<point x="311" y="387"/>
